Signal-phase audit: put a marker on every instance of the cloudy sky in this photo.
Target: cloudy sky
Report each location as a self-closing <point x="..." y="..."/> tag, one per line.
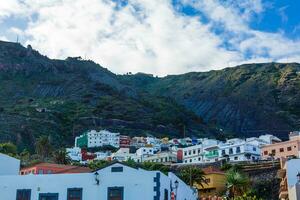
<point x="157" y="36"/>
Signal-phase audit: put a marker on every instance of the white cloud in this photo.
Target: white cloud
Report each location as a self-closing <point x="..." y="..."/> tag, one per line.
<point x="150" y="36"/>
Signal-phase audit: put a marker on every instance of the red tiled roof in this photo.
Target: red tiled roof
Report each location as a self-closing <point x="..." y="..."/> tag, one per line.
<point x="60" y="169"/>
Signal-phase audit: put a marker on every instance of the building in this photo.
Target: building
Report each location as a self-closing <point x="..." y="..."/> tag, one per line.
<point x="191" y="154"/>
<point x="74" y="153"/>
<point x="287" y="149"/>
<point x="205" y="152"/>
<point x="98" y="139"/>
<point x="9" y="165"/>
<point x="124" y="141"/>
<point x="51" y="168"/>
<point x="215" y="183"/>
<point x="290" y="179"/>
<point x="239" y="150"/>
<point x="145" y="151"/>
<point x="123" y="154"/>
<point x="166" y="157"/>
<point x="113" y="182"/>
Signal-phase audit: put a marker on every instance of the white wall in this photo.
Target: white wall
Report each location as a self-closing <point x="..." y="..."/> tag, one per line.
<point x="9" y="165"/>
<point x="292" y="169"/>
<point x="138" y="184"/>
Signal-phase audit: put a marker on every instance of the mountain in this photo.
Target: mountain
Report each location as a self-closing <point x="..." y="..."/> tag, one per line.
<point x="248" y="100"/>
<point x="63" y="98"/>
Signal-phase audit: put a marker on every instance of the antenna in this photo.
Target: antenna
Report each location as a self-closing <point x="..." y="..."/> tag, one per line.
<point x="17" y="38"/>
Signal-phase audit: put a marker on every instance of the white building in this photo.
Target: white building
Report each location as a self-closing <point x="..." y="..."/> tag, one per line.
<point x="123" y="154"/>
<point x="263" y="140"/>
<point x="9" y="165"/>
<point x="161" y="157"/>
<point x="145" y="151"/>
<point x="239" y="150"/>
<point x="114" y="182"/>
<point x="205" y="152"/>
<point x="98" y="139"/>
<point x="74" y="153"/>
<point x="193" y="154"/>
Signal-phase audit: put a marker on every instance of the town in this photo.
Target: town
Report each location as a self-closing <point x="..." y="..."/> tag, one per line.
<point x="125" y="157"/>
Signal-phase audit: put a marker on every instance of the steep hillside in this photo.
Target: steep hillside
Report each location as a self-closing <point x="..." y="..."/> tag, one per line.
<point x="62" y="98"/>
<point x="249" y="100"/>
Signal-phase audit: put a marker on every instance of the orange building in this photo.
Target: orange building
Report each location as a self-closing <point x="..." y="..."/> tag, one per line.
<point x="287" y="149"/>
<point x="50" y="168"/>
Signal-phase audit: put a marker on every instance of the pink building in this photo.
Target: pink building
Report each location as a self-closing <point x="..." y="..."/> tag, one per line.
<point x="287" y="149"/>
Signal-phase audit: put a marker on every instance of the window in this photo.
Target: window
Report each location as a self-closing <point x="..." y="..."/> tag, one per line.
<point x="238" y="150"/>
<point x="166" y="194"/>
<point x="199" y="159"/>
<point x="289" y="148"/>
<point x="48" y="196"/>
<point x="185" y="153"/>
<point x="254" y="148"/>
<point x="235" y="158"/>
<point x="190" y="160"/>
<point x="23" y="194"/>
<point x="273" y="151"/>
<point x="115" y="193"/>
<point x="281" y="150"/>
<point x="190" y="152"/>
<point x="230" y="151"/>
<point x="74" y="194"/>
<point x="117" y="169"/>
<point x="265" y="152"/>
<point x="223" y="152"/>
<point x="194" y="151"/>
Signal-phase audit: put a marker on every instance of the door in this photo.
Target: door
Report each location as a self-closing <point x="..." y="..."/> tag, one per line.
<point x="48" y="196"/>
<point x="115" y="193"/>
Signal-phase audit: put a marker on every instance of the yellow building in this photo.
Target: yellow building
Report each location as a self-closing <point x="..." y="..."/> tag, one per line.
<point x="216" y="183"/>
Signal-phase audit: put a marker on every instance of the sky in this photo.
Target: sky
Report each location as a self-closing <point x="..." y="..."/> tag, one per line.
<point x="157" y="36"/>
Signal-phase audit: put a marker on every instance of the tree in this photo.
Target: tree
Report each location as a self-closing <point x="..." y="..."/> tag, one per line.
<point x="237" y="182"/>
<point x="8" y="148"/>
<point x="61" y="157"/>
<point x="192" y="175"/>
<point x="43" y="147"/>
<point x="94" y="165"/>
<point x="155" y="166"/>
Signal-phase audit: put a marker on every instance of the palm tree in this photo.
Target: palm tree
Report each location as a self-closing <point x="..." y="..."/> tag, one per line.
<point x="237" y="182"/>
<point x="43" y="147"/>
<point x="192" y="175"/>
<point x="61" y="157"/>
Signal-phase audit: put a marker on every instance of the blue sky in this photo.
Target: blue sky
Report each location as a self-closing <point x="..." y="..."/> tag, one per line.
<point x="158" y="36"/>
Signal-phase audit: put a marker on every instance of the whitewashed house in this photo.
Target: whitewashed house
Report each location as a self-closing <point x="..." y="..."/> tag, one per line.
<point x="98" y="139"/>
<point x="8" y="166"/>
<point x="74" y="153"/>
<point x="114" y="182"/>
<point x="239" y="150"/>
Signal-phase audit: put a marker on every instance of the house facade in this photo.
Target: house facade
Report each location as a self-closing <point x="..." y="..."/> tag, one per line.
<point x="114" y="182"/>
<point x="235" y="150"/>
<point x="286" y="149"/>
<point x="98" y="139"/>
